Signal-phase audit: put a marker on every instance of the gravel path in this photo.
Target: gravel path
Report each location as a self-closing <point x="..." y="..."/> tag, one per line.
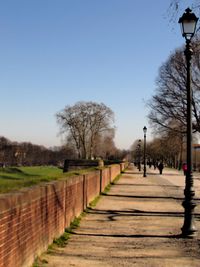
<point x="137" y="223"/>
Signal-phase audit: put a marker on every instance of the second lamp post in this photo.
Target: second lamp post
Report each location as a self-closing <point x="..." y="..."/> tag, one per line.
<point x="145" y="131"/>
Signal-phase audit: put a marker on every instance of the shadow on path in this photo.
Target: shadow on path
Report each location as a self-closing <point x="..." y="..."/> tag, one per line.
<point x="146" y="185"/>
<point x="128" y="236"/>
<point x="134" y="212"/>
<point x="142" y="197"/>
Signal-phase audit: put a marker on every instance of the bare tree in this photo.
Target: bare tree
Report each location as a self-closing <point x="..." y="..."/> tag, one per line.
<point x="168" y="105"/>
<point x="176" y="8"/>
<point x="166" y="148"/>
<point x="105" y="145"/>
<point x="84" y="122"/>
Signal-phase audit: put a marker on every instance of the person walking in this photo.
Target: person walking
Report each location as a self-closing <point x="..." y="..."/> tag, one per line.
<point x="160" y="167"/>
<point x="184" y="168"/>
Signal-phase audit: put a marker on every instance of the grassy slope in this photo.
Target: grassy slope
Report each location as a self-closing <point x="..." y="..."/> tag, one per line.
<point x="17" y="177"/>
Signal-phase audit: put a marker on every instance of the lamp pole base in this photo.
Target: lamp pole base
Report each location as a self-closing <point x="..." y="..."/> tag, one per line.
<point x="189" y="230"/>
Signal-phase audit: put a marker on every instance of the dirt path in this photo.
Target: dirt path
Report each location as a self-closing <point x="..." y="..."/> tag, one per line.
<point x="136" y="224"/>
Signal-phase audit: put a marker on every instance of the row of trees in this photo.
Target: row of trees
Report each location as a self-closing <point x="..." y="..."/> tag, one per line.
<point x="168" y="106"/>
<point x="27" y="154"/>
<point x="167" y="149"/>
<point x="176" y="8"/>
<point x="89" y="133"/>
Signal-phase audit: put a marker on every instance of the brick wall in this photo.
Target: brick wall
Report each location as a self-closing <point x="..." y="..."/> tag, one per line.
<point x="92" y="185"/>
<point x="32" y="218"/>
<point x="74" y="198"/>
<point x="115" y="170"/>
<point x="105" y="178"/>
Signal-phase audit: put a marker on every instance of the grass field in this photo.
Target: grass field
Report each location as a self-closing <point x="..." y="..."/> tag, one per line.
<point x="14" y="178"/>
<point x="17" y="177"/>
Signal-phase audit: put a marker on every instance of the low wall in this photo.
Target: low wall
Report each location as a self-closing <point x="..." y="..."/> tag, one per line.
<point x="31" y="219"/>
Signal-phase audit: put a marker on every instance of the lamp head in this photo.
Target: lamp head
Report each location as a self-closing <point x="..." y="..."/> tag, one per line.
<point x="188" y="23"/>
<point x="145" y="129"/>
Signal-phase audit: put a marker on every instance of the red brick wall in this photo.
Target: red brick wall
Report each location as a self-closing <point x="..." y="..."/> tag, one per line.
<point x="29" y="221"/>
<point x="74" y="195"/>
<point x="105" y="178"/>
<point x="92" y="185"/>
<point x="115" y="170"/>
<point x="33" y="217"/>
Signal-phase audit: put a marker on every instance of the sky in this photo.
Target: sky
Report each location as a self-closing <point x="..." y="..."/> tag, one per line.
<point x="55" y="53"/>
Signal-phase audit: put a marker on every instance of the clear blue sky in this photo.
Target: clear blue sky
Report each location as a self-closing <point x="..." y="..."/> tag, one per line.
<point x="54" y="53"/>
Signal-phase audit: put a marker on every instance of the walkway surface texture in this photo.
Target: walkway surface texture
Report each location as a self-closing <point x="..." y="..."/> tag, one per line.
<point x="137" y="223"/>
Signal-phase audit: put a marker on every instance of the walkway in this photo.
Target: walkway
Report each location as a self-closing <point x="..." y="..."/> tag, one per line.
<point x="137" y="223"/>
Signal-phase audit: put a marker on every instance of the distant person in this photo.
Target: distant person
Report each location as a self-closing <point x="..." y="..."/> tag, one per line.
<point x="154" y="165"/>
<point x="160" y="167"/>
<point x="150" y="164"/>
<point x="184" y="167"/>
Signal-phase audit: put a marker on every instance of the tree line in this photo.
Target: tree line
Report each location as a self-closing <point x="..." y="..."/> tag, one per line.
<point x="168" y="106"/>
<point x="89" y="134"/>
<point x="161" y="149"/>
<point x="28" y="154"/>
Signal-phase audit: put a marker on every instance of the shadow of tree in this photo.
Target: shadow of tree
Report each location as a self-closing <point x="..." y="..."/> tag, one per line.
<point x="128" y="236"/>
<point x="144" y="197"/>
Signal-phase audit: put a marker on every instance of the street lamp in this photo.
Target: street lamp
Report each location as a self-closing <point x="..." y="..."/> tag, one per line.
<point x="139" y="154"/>
<point x="145" y="131"/>
<point x="188" y="23"/>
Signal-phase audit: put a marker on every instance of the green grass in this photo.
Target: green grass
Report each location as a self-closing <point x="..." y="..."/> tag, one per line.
<point x="117" y="178"/>
<point x="17" y="177"/>
<point x="14" y="178"/>
<point x="62" y="240"/>
<point x="40" y="262"/>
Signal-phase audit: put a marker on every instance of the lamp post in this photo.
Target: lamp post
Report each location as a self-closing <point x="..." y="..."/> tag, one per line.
<point x="145" y="131"/>
<point x="139" y="154"/>
<point x="188" y="23"/>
